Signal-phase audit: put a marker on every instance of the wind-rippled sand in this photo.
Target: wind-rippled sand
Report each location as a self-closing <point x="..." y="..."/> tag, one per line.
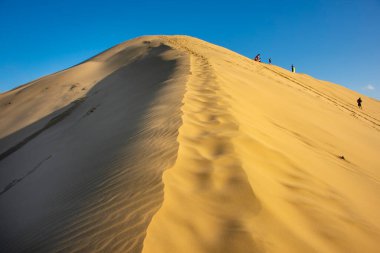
<point x="172" y="144"/>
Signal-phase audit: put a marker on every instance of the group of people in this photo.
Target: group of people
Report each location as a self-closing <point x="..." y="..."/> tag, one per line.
<point x="258" y="58"/>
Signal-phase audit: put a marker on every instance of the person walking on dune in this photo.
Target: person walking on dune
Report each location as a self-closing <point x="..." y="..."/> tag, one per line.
<point x="257" y="58"/>
<point x="359" y="101"/>
<point x="293" y="69"/>
<point x="270" y="60"/>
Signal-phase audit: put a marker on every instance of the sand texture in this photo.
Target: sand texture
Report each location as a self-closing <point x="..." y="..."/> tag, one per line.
<point x="170" y="144"/>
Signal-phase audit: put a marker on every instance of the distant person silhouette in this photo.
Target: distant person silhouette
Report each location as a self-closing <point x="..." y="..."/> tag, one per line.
<point x="257" y="58"/>
<point x="359" y="101"/>
<point x="270" y="61"/>
<point x="293" y="69"/>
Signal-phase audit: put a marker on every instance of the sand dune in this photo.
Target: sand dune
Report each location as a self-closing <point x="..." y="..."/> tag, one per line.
<point x="172" y="144"/>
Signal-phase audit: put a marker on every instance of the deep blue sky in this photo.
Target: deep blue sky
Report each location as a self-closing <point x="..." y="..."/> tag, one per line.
<point x="334" y="40"/>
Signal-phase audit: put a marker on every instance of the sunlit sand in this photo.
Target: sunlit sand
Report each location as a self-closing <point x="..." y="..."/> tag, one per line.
<point x="170" y="144"/>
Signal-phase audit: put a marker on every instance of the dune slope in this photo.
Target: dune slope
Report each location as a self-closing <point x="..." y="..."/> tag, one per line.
<point x="172" y="144"/>
<point x="87" y="177"/>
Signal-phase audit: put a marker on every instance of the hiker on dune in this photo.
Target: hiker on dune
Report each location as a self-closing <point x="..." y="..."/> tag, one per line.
<point x="257" y="58"/>
<point x="359" y="101"/>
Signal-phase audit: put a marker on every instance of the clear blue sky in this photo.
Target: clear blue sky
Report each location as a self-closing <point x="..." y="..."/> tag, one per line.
<point x="334" y="40"/>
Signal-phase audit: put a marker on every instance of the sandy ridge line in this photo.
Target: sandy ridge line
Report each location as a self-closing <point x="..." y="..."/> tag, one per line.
<point x="208" y="166"/>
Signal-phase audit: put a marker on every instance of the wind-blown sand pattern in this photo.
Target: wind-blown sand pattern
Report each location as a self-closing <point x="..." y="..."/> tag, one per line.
<point x="172" y="144"/>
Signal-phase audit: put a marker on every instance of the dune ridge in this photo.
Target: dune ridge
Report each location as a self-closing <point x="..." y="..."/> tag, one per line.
<point x="179" y="145"/>
<point x="237" y="185"/>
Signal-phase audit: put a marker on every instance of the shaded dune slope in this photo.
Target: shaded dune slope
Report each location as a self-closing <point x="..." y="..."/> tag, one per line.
<point x="172" y="144"/>
<point x="91" y="179"/>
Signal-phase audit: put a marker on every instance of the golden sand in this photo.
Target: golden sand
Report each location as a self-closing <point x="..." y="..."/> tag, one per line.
<point x="172" y="144"/>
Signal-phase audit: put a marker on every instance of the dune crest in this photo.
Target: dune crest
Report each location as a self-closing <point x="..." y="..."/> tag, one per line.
<point x="172" y="144"/>
<point x="251" y="176"/>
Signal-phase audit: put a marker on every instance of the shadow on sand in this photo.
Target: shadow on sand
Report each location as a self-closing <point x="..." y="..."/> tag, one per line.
<point x="59" y="174"/>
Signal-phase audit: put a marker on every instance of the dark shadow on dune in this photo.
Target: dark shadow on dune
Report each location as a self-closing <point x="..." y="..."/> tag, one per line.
<point x="63" y="113"/>
<point x="45" y="203"/>
<point x="18" y="180"/>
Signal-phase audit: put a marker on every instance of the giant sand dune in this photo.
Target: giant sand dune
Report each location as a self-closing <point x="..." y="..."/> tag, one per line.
<point x="170" y="144"/>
